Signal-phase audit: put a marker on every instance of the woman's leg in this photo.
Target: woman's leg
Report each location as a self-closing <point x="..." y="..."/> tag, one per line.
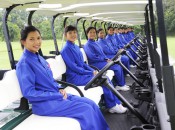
<point x="119" y="75"/>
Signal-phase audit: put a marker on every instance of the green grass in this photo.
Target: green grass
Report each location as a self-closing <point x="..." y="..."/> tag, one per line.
<point x="171" y="46"/>
<point x="48" y="45"/>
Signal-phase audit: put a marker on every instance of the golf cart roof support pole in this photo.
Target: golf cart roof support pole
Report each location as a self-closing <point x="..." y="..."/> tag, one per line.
<point x="145" y="29"/>
<point x="53" y="33"/>
<point x="65" y="21"/>
<point x="156" y="55"/>
<point x="102" y="23"/>
<point x="168" y="71"/>
<point x="84" y="21"/>
<point x="142" y="27"/>
<point x="147" y="25"/>
<point x="30" y="23"/>
<point x="95" y="25"/>
<point x="105" y="28"/>
<point x="30" y="17"/>
<point x="162" y="35"/>
<point x="7" y="36"/>
<point x="79" y="40"/>
<point x="149" y="37"/>
<point x="152" y="24"/>
<point x="92" y="22"/>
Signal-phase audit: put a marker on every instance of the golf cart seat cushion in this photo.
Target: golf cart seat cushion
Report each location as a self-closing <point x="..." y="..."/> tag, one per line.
<point x="35" y="122"/>
<point x="9" y="89"/>
<point x="92" y="93"/>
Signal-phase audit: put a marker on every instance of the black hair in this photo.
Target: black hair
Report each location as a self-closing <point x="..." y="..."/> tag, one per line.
<point x="70" y="28"/>
<point x="116" y="27"/>
<point x="89" y="28"/>
<point x="26" y="30"/>
<point x="110" y="27"/>
<point x="100" y="29"/>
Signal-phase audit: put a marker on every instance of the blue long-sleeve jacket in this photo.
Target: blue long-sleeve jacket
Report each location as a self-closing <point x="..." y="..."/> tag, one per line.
<point x="120" y="44"/>
<point x="110" y="39"/>
<point x="107" y="48"/>
<point x="94" y="52"/>
<point x="131" y="33"/>
<point x="126" y="37"/>
<point x="36" y="79"/>
<point x="73" y="59"/>
<point x="122" y="38"/>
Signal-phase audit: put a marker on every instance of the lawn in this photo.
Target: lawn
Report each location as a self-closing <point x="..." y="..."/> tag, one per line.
<point x="171" y="46"/>
<point x="171" y="49"/>
<point x="48" y="45"/>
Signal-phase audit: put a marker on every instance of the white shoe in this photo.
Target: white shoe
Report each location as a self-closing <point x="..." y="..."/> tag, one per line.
<point x="126" y="86"/>
<point x="117" y="109"/>
<point x="123" y="88"/>
<point x="127" y="75"/>
<point x="132" y="66"/>
<point x="137" y="59"/>
<point x="124" y="109"/>
<point x="117" y="88"/>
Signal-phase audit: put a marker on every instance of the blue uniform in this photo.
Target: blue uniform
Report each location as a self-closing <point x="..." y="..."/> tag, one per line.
<point x="107" y="48"/>
<point x="38" y="86"/>
<point x="96" y="57"/>
<point x="132" y="35"/>
<point x="79" y="73"/>
<point x="110" y="39"/>
<point x="121" y="45"/>
<point x="124" y="59"/>
<point x="122" y="39"/>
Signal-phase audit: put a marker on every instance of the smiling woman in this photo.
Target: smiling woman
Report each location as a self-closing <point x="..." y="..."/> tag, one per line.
<point x="31" y="40"/>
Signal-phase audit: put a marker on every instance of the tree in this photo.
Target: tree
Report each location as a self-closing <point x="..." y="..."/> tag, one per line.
<point x="14" y="31"/>
<point x="45" y="29"/>
<point x="169" y="13"/>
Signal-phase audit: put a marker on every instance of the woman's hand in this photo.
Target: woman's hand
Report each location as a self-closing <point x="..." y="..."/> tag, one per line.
<point x="63" y="92"/>
<point x="95" y="72"/>
<point x="108" y="60"/>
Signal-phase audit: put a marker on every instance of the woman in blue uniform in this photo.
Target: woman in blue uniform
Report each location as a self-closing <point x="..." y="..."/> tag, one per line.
<point x="45" y="95"/>
<point x="116" y="31"/>
<point x="123" y="40"/>
<point x="97" y="58"/>
<point x="79" y="73"/>
<point x="111" y="40"/>
<point x="108" y="49"/>
<point x="117" y="36"/>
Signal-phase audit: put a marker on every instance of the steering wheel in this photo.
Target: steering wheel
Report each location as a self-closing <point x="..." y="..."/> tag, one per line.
<point x="96" y="81"/>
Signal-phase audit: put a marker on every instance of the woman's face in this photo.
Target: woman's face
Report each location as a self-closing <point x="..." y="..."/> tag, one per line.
<point x="92" y="34"/>
<point x="101" y="34"/>
<point x="71" y="36"/>
<point x="33" y="41"/>
<point x="111" y="31"/>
